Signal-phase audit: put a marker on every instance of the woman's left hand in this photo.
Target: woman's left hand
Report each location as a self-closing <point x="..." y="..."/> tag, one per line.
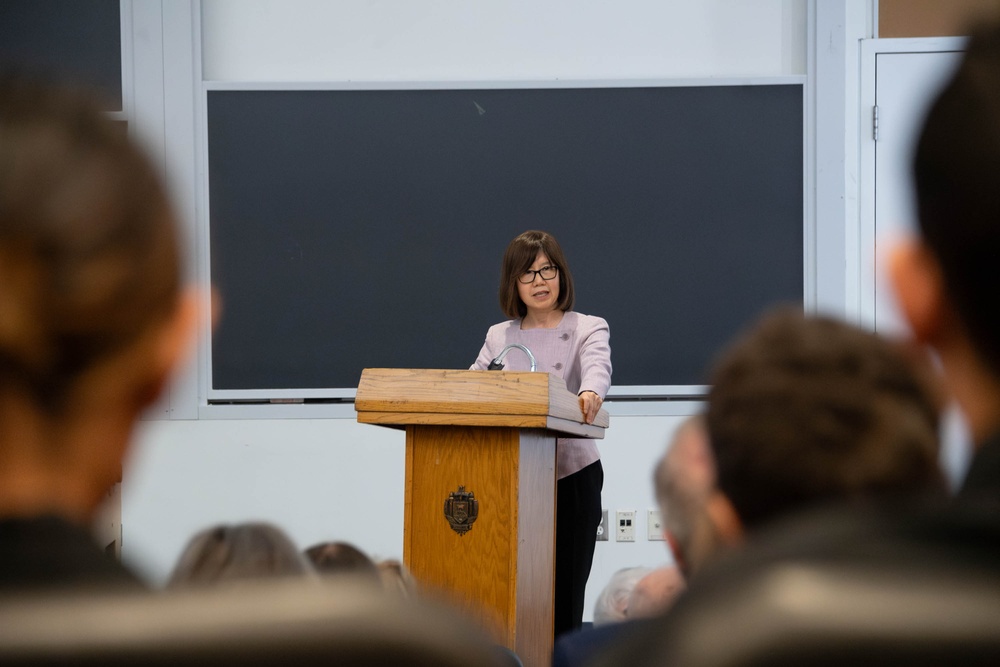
<point x="590" y="403"/>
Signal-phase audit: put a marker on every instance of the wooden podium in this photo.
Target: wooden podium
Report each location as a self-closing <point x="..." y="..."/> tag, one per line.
<point x="479" y="515"/>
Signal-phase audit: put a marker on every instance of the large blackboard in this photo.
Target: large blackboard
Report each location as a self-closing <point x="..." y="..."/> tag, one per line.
<point x="364" y="228"/>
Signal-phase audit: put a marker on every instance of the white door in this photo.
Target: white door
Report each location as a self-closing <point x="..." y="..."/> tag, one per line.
<point x="905" y="85"/>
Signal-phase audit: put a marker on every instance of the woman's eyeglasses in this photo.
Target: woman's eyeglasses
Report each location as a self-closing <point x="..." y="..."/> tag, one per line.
<point x="547" y="272"/>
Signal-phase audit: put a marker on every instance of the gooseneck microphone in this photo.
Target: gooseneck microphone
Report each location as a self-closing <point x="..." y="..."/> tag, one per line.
<point x="497" y="364"/>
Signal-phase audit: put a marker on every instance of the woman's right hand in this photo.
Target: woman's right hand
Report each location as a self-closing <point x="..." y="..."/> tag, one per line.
<point x="590" y="403"/>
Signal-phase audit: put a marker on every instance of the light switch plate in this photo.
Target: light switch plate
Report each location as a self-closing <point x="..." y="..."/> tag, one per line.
<point x="654" y="526"/>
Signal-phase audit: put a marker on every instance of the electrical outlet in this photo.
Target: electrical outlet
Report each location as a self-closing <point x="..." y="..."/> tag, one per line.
<point x="602" y="528"/>
<point x="626" y="526"/>
<point x="654" y="526"/>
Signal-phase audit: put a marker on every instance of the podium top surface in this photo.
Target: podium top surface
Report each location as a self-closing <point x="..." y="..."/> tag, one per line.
<point x="401" y="396"/>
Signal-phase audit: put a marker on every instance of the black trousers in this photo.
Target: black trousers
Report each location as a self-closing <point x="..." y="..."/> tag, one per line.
<point x="578" y="513"/>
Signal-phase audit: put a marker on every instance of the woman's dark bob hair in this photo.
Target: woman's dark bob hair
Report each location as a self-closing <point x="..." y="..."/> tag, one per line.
<point x="519" y="257"/>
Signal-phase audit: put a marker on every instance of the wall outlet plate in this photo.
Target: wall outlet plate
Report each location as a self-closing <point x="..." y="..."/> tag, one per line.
<point x="654" y="526"/>
<point x="625" y="526"/>
<point x="602" y="528"/>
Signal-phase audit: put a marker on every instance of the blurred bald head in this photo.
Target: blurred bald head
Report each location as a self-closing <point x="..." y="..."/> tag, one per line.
<point x="684" y="480"/>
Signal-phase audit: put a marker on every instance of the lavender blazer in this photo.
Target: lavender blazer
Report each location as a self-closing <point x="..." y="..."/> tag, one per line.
<point x="578" y="351"/>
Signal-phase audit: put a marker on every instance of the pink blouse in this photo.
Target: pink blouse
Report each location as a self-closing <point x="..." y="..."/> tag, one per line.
<point x="577" y="350"/>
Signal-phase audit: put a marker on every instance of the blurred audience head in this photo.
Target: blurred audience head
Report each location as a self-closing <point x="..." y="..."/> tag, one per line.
<point x="683" y="480"/>
<point x="612" y="604"/>
<point x="655" y="593"/>
<point x="808" y="410"/>
<point x="231" y="553"/>
<point x="396" y="579"/>
<point x="342" y="558"/>
<point x="91" y="315"/>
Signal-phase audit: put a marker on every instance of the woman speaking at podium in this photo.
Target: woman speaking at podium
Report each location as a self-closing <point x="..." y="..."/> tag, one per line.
<point x="536" y="292"/>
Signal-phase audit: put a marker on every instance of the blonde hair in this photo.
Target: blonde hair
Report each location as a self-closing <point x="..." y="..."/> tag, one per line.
<point x="224" y="554"/>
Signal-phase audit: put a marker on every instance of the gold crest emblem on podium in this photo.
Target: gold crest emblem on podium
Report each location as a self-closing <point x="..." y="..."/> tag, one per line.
<point x="461" y="509"/>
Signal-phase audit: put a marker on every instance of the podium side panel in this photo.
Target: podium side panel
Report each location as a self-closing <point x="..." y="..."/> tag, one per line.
<point x="536" y="547"/>
<point x="408" y="498"/>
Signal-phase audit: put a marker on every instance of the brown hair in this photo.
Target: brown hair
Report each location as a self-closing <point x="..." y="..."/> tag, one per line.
<point x="806" y="410"/>
<point x="89" y="260"/>
<point x="341" y="558"/>
<point x="519" y="256"/>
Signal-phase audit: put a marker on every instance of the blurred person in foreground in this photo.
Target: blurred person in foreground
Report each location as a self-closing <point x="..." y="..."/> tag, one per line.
<point x="92" y="321"/>
<point x="806" y="411"/>
<point x="946" y="278"/>
<point x="812" y="423"/>
<point x="682" y="481"/>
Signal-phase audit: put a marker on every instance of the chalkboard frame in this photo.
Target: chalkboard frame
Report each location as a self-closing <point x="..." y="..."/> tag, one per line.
<point x="341" y="394"/>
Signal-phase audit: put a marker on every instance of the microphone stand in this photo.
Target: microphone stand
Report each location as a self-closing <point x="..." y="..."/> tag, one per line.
<point x="497" y="364"/>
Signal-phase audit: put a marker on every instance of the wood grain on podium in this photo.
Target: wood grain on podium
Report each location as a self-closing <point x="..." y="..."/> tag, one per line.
<point x="396" y="396"/>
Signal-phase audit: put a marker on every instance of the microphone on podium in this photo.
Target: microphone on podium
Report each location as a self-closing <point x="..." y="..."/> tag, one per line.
<point x="497" y="364"/>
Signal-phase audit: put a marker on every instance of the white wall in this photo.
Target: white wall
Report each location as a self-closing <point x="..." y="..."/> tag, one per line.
<point x="316" y="40"/>
<point x="332" y="478"/>
<point x="320" y="479"/>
